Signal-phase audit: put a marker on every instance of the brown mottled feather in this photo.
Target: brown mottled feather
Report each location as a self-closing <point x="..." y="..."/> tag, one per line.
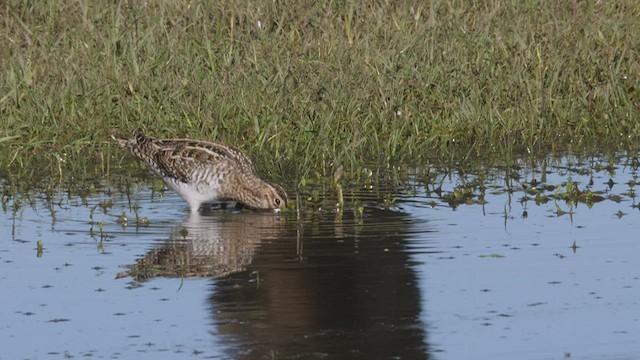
<point x="182" y="163"/>
<point x="176" y="158"/>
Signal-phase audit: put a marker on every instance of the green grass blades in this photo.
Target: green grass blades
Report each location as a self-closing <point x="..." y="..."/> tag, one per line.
<point x="308" y="85"/>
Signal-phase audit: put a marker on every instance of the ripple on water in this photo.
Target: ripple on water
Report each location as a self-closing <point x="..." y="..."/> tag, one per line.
<point x="515" y="262"/>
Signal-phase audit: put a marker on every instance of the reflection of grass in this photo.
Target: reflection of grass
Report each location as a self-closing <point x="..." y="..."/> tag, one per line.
<point x="305" y="86"/>
<point x="571" y="194"/>
<point x="493" y="256"/>
<point x="435" y="186"/>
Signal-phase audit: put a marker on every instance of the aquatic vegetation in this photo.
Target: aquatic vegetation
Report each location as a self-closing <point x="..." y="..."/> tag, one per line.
<point x="144" y="221"/>
<point x="401" y="235"/>
<point x="39" y="248"/>
<point x="122" y="220"/>
<point x="492" y="256"/>
<point x="568" y="183"/>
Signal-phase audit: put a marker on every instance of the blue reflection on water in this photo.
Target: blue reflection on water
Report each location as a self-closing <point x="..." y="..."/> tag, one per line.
<point x="504" y="286"/>
<point x="478" y="281"/>
<point x="67" y="302"/>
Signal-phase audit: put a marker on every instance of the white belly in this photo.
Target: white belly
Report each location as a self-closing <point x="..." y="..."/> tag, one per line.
<point x="196" y="193"/>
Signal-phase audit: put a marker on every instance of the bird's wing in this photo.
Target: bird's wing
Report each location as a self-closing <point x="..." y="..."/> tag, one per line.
<point x="179" y="158"/>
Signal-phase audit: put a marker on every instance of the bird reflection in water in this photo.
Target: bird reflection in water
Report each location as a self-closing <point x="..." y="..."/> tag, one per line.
<point x="214" y="245"/>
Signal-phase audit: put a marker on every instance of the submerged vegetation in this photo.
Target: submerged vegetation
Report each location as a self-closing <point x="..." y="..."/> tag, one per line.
<point x="566" y="182"/>
<point x="563" y="187"/>
<point x="308" y="87"/>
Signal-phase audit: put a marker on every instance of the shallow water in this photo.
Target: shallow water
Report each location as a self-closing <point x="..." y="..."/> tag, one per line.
<point x="441" y="273"/>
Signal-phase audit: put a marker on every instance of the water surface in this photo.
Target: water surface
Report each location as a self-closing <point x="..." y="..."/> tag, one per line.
<point x="489" y="263"/>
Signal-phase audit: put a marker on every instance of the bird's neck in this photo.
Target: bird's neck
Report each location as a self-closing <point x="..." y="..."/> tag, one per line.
<point x="244" y="188"/>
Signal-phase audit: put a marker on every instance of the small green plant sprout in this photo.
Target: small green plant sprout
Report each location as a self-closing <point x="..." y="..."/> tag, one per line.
<point x="560" y="211"/>
<point x="105" y="205"/>
<point x="389" y="201"/>
<point x="144" y="221"/>
<point x="39" y="248"/>
<point x="93" y="210"/>
<point x="589" y="198"/>
<point x="122" y="219"/>
<point x="101" y="245"/>
<point x="337" y="176"/>
<point x="358" y="212"/>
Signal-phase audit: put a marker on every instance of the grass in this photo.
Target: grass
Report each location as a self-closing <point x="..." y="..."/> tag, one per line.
<point x="311" y="86"/>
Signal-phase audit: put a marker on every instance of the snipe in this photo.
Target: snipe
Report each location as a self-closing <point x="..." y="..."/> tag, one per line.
<point x="203" y="171"/>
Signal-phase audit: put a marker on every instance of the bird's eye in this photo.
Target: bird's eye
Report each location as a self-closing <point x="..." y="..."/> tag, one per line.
<point x="277" y="201"/>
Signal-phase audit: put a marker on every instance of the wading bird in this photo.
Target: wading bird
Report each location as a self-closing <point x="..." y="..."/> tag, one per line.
<point x="203" y="171"/>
